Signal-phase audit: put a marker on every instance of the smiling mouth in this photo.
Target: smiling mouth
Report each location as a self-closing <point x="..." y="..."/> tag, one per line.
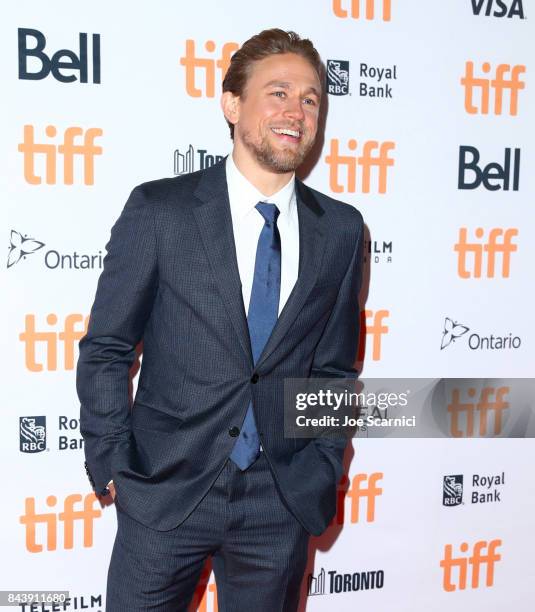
<point x="294" y="134"/>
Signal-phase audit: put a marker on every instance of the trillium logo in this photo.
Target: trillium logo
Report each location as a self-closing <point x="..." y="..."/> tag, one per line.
<point x="452" y="331"/>
<point x="20" y="246"/>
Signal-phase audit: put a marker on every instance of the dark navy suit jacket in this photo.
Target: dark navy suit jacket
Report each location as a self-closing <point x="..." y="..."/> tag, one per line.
<point x="171" y="278"/>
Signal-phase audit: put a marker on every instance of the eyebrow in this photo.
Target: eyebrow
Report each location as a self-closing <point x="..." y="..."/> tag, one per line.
<point x="287" y="85"/>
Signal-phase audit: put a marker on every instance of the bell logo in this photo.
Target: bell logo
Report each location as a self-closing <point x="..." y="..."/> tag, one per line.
<point x="491" y="402"/>
<point x="355" y="11"/>
<point x="49" y="340"/>
<point x="484" y="554"/>
<point x="193" y="64"/>
<point x="362" y="487"/>
<point x="63" y="60"/>
<point x="68" y="149"/>
<point x="493" y="176"/>
<point x="368" y="159"/>
<point x="498" y="84"/>
<point x="490" y="248"/>
<point x="86" y="515"/>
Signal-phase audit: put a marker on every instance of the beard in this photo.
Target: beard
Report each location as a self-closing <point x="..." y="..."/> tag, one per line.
<point x="279" y="161"/>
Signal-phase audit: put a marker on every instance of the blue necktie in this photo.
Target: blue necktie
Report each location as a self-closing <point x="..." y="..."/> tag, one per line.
<point x="261" y="319"/>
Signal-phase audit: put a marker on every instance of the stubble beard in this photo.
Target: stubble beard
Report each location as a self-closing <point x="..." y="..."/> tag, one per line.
<point x="278" y="161"/>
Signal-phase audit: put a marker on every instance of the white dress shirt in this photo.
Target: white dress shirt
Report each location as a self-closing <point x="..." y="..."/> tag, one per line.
<point x="247" y="223"/>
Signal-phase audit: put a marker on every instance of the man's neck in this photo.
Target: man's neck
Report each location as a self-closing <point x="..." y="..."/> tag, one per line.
<point x="265" y="181"/>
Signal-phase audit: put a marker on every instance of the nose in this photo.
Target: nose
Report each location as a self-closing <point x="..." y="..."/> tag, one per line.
<point x="294" y="109"/>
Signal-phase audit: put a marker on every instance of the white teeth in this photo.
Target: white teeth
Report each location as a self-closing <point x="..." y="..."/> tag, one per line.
<point x="293" y="133"/>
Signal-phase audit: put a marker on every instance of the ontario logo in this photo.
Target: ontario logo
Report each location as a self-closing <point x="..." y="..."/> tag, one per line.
<point x="32" y="434"/>
<point x="338" y="77"/>
<point x="21" y="246"/>
<point x="453" y="331"/>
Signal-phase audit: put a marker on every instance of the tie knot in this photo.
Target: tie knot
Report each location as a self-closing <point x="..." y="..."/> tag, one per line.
<point x="270" y="212"/>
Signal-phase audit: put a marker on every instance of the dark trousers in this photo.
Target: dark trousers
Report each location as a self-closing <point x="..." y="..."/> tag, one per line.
<point x="258" y="549"/>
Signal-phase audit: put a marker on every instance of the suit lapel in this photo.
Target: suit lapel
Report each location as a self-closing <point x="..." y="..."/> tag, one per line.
<point x="215" y="227"/>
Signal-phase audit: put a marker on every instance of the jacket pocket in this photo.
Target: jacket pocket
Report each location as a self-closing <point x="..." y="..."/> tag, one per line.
<point x="152" y="419"/>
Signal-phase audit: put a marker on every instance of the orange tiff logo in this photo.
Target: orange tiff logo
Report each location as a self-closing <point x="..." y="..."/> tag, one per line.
<point x="49" y="340"/>
<point x="498" y="241"/>
<point x="194" y="64"/>
<point x="483" y="555"/>
<point x="374" y="154"/>
<point x="205" y="597"/>
<point x="372" y="327"/>
<point x="498" y="84"/>
<point x="363" y="488"/>
<point x="69" y="516"/>
<point x="84" y="150"/>
<point x="491" y="401"/>
<point x="340" y="10"/>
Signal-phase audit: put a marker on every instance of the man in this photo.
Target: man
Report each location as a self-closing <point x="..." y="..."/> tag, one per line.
<point x="200" y="464"/>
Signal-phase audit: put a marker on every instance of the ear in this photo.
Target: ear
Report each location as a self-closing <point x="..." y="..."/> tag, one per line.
<point x="231" y="107"/>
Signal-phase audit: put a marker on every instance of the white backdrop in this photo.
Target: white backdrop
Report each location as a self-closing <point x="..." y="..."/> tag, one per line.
<point x="137" y="115"/>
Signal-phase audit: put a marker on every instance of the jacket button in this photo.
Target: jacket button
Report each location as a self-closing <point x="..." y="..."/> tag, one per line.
<point x="234" y="432"/>
<point x="254" y="378"/>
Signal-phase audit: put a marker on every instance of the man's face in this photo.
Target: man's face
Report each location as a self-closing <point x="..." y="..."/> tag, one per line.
<point x="278" y="113"/>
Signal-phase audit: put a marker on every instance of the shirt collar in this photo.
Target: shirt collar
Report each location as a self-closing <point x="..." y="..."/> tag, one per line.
<point x="244" y="196"/>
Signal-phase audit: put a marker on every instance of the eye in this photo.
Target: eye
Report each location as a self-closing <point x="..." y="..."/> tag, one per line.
<point x="310" y="101"/>
<point x="280" y="94"/>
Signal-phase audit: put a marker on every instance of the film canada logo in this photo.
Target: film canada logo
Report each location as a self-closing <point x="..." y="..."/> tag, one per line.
<point x="363" y="9"/>
<point x="378" y="251"/>
<point x="189" y="160"/>
<point x="42" y="528"/>
<point x="65" y="65"/>
<point x="200" y="71"/>
<point x="498" y="8"/>
<point x="470" y="565"/>
<point x="452" y="490"/>
<point x="337" y="77"/>
<point x="334" y="582"/>
<point x="32" y="434"/>
<point x="21" y="246"/>
<point x="363" y="169"/>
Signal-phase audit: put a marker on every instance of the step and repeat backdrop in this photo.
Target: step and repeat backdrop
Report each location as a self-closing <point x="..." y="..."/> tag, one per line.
<point x="429" y="132"/>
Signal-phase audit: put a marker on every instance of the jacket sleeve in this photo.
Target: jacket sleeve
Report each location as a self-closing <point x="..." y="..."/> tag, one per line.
<point x="336" y="352"/>
<point x="125" y="294"/>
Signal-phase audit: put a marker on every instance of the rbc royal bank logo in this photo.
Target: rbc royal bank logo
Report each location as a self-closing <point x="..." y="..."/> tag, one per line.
<point x="338" y="77"/>
<point x="453" y="490"/>
<point x="32" y="434"/>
